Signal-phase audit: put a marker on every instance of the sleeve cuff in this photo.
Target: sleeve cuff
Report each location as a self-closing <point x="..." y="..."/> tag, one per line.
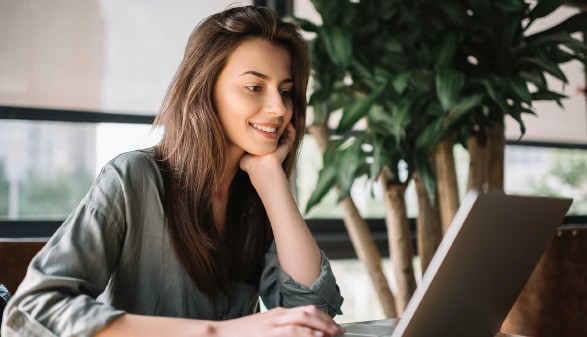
<point x="323" y="291"/>
<point x="20" y="323"/>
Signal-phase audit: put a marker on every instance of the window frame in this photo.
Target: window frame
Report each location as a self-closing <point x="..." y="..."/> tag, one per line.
<point x="329" y="233"/>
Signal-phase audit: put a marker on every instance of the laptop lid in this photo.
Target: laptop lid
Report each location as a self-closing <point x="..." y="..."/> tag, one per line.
<point x="481" y="265"/>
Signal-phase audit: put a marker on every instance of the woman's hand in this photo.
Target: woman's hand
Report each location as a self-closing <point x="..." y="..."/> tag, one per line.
<point x="307" y="321"/>
<point x="264" y="167"/>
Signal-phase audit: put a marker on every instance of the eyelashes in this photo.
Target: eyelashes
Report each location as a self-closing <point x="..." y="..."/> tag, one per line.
<point x="258" y="88"/>
<point x="254" y="88"/>
<point x="286" y="93"/>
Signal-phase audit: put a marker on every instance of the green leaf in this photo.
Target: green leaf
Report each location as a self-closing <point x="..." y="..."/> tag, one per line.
<point x="323" y="84"/>
<point x="447" y="49"/>
<point x="431" y="135"/>
<point x="516" y="114"/>
<point x="380" y="120"/>
<point x="511" y="5"/>
<point x="340" y="97"/>
<point x="326" y="182"/>
<point x="481" y="9"/>
<point x="360" y="69"/>
<point x="422" y="166"/>
<point x="401" y="81"/>
<point x="400" y="117"/>
<point x="449" y="84"/>
<point x="320" y="113"/>
<point x="349" y="163"/>
<point x="543" y="8"/>
<point x="329" y="10"/>
<point x="332" y="149"/>
<point x="455" y="13"/>
<point x="576" y="45"/>
<point x="303" y="24"/>
<point x="575" y="23"/>
<point x="358" y="109"/>
<point x="338" y="45"/>
<point x="520" y="88"/>
<point x="551" y="68"/>
<point x="547" y="96"/>
<point x="393" y="45"/>
<point x="496" y="96"/>
<point x="535" y="77"/>
<point x="382" y="75"/>
<point x="558" y="39"/>
<point x="327" y="177"/>
<point x="462" y="107"/>
<point x="380" y="153"/>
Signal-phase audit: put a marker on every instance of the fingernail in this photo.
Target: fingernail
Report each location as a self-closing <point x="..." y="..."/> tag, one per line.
<point x="318" y="333"/>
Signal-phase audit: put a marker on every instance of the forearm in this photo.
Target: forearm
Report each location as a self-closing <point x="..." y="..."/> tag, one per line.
<point x="297" y="251"/>
<point x="149" y="326"/>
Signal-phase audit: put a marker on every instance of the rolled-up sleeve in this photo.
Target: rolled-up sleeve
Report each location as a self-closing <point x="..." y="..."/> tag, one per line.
<point x="278" y="289"/>
<point x="58" y="296"/>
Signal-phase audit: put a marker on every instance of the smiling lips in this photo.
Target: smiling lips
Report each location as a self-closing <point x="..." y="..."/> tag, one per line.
<point x="267" y="131"/>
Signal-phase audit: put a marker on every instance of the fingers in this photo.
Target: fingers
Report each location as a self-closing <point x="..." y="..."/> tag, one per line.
<point x="286" y="141"/>
<point x="309" y="317"/>
<point x="289" y="133"/>
<point x="284" y="146"/>
<point x="298" y="331"/>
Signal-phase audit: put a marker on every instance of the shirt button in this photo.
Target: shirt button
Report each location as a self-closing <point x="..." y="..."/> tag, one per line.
<point x="19" y="322"/>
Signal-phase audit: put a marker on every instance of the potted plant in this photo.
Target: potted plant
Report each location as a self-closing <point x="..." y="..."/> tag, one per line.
<point x="422" y="75"/>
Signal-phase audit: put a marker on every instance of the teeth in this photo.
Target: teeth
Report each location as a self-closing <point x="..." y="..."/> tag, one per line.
<point x="263" y="128"/>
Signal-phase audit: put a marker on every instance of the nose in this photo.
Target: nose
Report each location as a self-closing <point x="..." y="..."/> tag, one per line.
<point x="275" y="103"/>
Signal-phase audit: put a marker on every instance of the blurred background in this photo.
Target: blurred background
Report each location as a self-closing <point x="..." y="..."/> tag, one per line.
<point x="81" y="80"/>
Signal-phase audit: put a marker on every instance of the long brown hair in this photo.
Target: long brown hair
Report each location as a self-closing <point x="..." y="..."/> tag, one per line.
<point x="192" y="153"/>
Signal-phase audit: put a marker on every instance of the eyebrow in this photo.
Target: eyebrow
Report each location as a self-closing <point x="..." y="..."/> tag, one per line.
<point x="263" y="76"/>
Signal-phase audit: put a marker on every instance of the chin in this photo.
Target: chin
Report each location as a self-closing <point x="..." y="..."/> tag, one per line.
<point x="261" y="151"/>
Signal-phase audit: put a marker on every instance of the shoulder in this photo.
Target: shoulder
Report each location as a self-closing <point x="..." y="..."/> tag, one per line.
<point x="128" y="175"/>
<point x="139" y="166"/>
<point x="137" y="161"/>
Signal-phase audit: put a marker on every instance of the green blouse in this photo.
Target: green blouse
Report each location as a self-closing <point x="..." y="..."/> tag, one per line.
<point x="113" y="255"/>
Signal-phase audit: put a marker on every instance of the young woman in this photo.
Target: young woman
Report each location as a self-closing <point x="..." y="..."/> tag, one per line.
<point x="182" y="239"/>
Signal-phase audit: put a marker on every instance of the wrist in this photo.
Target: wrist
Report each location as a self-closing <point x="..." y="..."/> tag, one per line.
<point x="268" y="179"/>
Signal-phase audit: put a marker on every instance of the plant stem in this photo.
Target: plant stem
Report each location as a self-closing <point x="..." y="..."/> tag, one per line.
<point x="478" y="162"/>
<point x="428" y="225"/>
<point x="400" y="244"/>
<point x="446" y="180"/>
<point x="496" y="156"/>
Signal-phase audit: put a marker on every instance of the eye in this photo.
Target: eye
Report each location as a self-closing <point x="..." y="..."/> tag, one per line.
<point x="285" y="93"/>
<point x="254" y="88"/>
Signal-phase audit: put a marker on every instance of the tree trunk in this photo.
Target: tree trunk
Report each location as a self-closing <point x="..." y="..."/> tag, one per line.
<point x="478" y="162"/>
<point x="495" y="164"/>
<point x="361" y="238"/>
<point x="446" y="182"/>
<point x="368" y="254"/>
<point x="428" y="225"/>
<point x="400" y="243"/>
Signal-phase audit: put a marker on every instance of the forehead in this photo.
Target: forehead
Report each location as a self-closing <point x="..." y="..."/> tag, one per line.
<point x="262" y="56"/>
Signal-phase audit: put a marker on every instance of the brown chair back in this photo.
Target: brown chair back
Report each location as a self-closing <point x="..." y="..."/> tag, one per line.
<point x="15" y="256"/>
<point x="554" y="301"/>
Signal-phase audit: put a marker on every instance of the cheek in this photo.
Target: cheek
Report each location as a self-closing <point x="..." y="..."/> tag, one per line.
<point x="233" y="105"/>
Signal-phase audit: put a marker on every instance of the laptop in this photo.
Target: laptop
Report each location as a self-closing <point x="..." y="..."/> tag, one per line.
<point x="480" y="267"/>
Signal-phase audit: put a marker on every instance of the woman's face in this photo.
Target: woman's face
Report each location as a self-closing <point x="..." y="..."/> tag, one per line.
<point x="253" y="96"/>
